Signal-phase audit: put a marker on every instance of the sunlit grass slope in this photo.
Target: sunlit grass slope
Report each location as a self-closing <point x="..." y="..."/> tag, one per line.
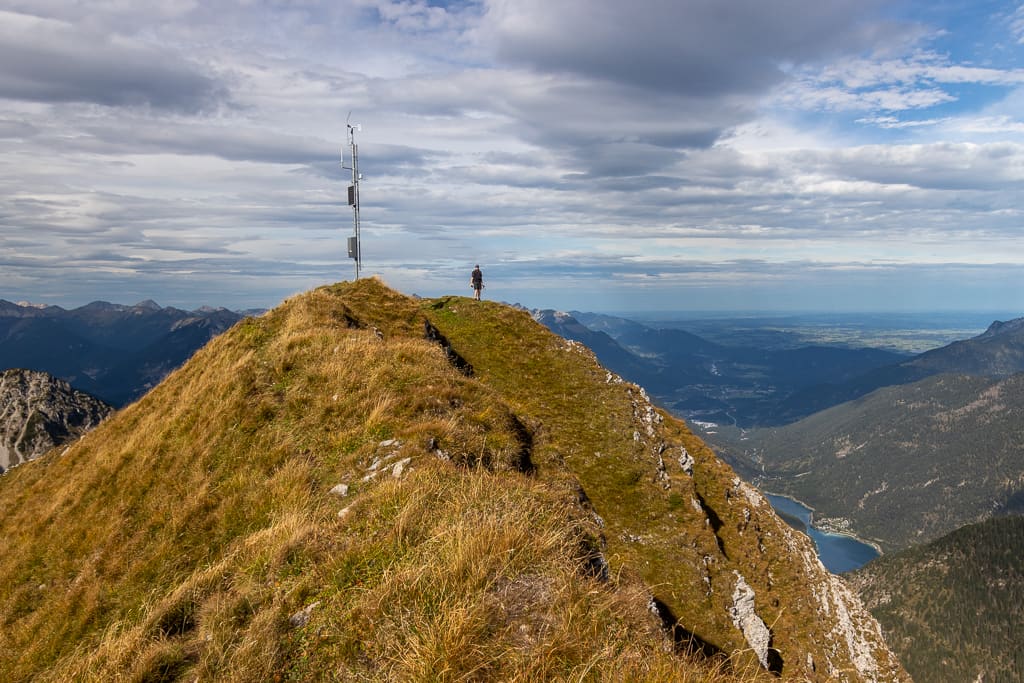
<point x="690" y="536"/>
<point x="508" y="522"/>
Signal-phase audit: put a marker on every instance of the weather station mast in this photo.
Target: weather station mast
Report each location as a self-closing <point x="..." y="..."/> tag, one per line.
<point x="355" y="245"/>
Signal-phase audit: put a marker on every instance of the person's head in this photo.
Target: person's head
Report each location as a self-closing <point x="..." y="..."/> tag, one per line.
<point x="477" y="266"/>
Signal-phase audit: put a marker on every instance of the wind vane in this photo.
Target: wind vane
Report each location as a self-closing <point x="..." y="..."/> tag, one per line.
<point x="355" y="247"/>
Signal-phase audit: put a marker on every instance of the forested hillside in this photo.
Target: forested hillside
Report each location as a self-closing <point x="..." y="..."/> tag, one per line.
<point x="954" y="608"/>
<point x="903" y="465"/>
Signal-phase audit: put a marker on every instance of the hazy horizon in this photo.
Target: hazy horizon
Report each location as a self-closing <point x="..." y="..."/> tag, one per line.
<point x="936" y="318"/>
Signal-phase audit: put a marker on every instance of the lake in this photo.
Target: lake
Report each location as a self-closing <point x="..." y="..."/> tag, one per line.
<point x="838" y="553"/>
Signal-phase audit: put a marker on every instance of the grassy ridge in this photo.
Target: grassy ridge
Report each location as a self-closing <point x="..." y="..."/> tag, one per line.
<point x="506" y="524"/>
<point x="176" y="541"/>
<point x="688" y="536"/>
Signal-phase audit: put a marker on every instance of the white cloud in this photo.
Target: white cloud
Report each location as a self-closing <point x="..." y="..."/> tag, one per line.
<point x="918" y="81"/>
<point x="47" y="60"/>
<point x="894" y="122"/>
<point x="698" y="47"/>
<point x="1016" y="24"/>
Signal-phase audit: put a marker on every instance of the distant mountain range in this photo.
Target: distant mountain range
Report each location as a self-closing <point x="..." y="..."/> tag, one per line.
<point x="954" y="609"/>
<point x="907" y="463"/>
<point x="997" y="352"/>
<point x="707" y="381"/>
<point x="750" y="387"/>
<point x="112" y="351"/>
<point x="39" y="412"/>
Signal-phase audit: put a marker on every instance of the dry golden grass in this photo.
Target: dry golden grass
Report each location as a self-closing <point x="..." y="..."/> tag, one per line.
<point x="176" y="541"/>
<point x="688" y="536"/>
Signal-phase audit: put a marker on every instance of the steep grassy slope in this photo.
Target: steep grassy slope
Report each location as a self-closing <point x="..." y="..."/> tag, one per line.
<point x="324" y="494"/>
<point x="903" y="465"/>
<point x="954" y="608"/>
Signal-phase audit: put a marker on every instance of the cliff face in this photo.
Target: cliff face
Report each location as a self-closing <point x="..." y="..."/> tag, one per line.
<point x="39" y="412"/>
<point x="367" y="486"/>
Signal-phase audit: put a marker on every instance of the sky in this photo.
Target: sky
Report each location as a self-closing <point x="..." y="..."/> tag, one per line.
<point x="593" y="155"/>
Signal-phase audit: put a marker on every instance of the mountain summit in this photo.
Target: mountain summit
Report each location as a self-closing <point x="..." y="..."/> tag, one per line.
<point x="359" y="485"/>
<point x="1003" y="327"/>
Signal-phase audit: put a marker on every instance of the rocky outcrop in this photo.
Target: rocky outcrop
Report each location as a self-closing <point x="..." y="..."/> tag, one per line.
<point x="39" y="412"/>
<point x="745" y="618"/>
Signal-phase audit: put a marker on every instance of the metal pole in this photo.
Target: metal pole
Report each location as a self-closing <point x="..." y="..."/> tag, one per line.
<point x="355" y="243"/>
<point x="355" y="204"/>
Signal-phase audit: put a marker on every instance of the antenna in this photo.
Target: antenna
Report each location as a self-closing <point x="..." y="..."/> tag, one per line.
<point x="355" y="247"/>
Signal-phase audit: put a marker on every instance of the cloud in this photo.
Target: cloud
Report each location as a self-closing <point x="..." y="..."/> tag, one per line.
<point x="918" y="81"/>
<point x="940" y="166"/>
<point x="894" y="122"/>
<point x="416" y="16"/>
<point x="1017" y="24"/>
<point x="695" y="47"/>
<point x="47" y="60"/>
<point x="223" y="141"/>
<point x="607" y="146"/>
<point x="16" y="129"/>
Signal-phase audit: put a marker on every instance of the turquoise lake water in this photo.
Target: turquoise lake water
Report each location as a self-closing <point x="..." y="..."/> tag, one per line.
<point x="837" y="552"/>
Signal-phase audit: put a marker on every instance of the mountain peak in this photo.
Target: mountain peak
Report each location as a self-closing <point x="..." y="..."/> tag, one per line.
<point x="149" y="305"/>
<point x="29" y="304"/>
<point x="549" y="316"/>
<point x="999" y="327"/>
<point x="327" y="488"/>
<point x="101" y="306"/>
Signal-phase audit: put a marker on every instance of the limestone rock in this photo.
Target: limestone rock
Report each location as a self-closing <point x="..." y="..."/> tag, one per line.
<point x="746" y="620"/>
<point x="301" y="618"/>
<point x="399" y="467"/>
<point x="39" y="411"/>
<point x="686" y="461"/>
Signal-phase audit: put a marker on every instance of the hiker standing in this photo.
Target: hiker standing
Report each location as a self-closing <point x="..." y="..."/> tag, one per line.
<point x="476" y="281"/>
